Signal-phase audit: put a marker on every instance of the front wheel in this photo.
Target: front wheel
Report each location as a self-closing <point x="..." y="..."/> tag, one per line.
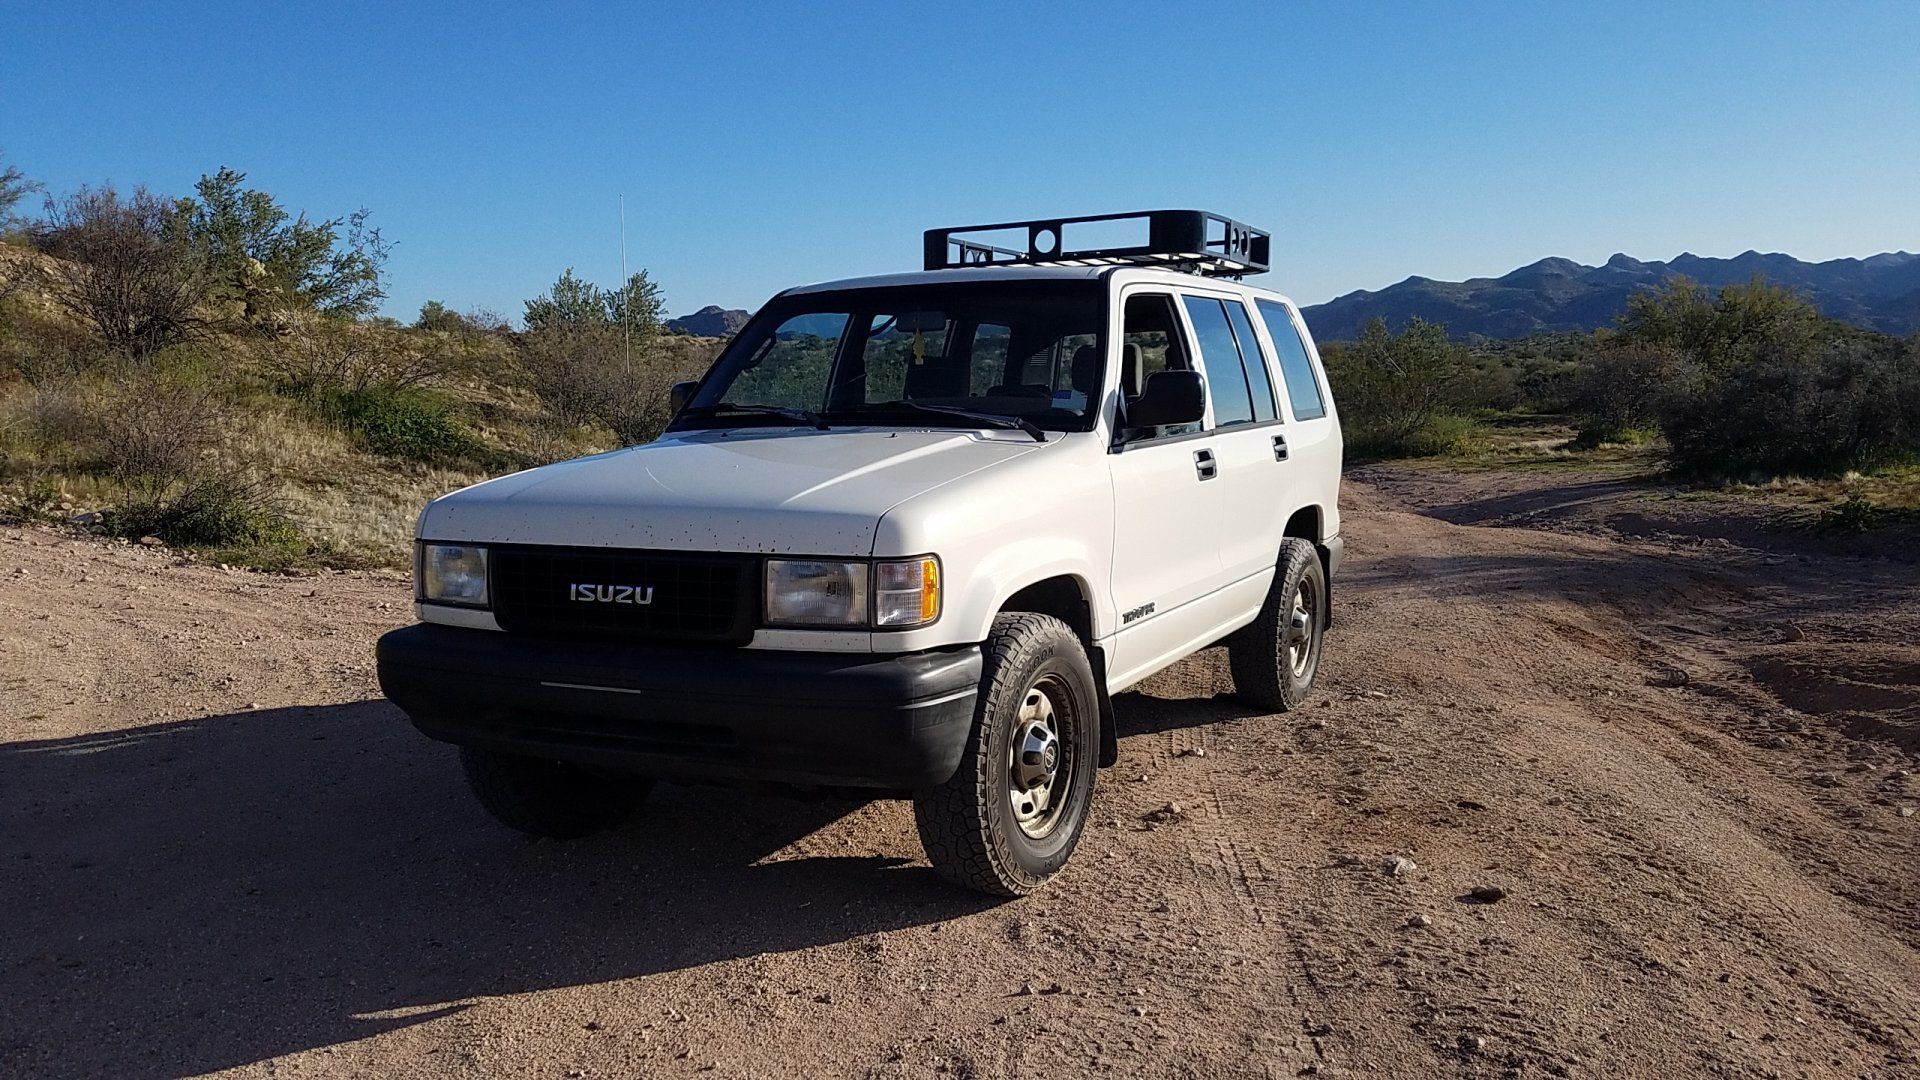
<point x="1275" y="657"/>
<point x="1011" y="814"/>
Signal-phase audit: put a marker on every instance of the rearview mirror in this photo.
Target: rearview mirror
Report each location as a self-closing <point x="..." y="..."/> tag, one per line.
<point x="681" y="393"/>
<point x="920" y="322"/>
<point x="1170" y="397"/>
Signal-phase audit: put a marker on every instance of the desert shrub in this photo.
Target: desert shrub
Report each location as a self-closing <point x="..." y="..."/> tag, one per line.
<point x="1847" y="404"/>
<point x="127" y="268"/>
<point x="399" y="422"/>
<point x="29" y="499"/>
<point x="265" y="260"/>
<point x="1441" y="435"/>
<point x="48" y="418"/>
<point x="151" y="433"/>
<point x="586" y="375"/>
<point x="1406" y="394"/>
<point x="339" y="355"/>
<point x="598" y="356"/>
<point x="1619" y="391"/>
<point x="1853" y="514"/>
<point x="208" y="508"/>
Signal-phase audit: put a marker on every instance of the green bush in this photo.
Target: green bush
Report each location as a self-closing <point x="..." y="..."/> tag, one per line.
<point x="1439" y="436"/>
<point x="1852" y="404"/>
<point x="404" y="422"/>
<point x="1855" y="514"/>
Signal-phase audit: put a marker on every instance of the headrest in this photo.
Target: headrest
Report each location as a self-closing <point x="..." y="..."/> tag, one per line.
<point x="1133" y="367"/>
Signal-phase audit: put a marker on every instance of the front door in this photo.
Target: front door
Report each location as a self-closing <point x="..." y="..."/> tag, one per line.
<point x="1167" y="508"/>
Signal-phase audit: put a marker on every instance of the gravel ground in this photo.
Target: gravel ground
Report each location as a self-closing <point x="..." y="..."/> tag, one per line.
<point x="1565" y="804"/>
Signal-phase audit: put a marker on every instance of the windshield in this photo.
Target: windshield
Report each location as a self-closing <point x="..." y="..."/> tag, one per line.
<point x="916" y="355"/>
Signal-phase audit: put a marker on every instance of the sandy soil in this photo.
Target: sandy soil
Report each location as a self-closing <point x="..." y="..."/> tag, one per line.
<point x="1688" y="765"/>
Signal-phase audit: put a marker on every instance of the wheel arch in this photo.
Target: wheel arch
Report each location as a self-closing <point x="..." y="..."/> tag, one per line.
<point x="1069" y="598"/>
<point x="1309" y="523"/>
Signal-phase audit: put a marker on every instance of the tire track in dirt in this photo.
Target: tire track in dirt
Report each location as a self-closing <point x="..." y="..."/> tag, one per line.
<point x="200" y="886"/>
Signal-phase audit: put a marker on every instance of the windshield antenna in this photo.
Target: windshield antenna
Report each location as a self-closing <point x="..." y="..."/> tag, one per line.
<point x="626" y="316"/>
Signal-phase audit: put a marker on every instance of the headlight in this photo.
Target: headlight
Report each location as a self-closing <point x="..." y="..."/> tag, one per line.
<point x="453" y="574"/>
<point x="889" y="595"/>
<point x="906" y="594"/>
<point x="811" y="593"/>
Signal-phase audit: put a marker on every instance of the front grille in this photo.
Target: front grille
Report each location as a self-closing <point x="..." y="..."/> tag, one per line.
<point x="695" y="597"/>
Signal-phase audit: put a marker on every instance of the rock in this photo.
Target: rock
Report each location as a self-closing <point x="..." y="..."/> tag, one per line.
<point x="1486" y="894"/>
<point x="1906" y="811"/>
<point x="1471" y="1044"/>
<point x="1791" y="632"/>
<point x="1398" y="866"/>
<point x="1669" y="677"/>
<point x="1419" y="921"/>
<point x="152" y="541"/>
<point x="1164" y="815"/>
<point x="87" y="519"/>
<point x="1778" y="742"/>
<point x="1826" y="779"/>
<point x="1194" y="751"/>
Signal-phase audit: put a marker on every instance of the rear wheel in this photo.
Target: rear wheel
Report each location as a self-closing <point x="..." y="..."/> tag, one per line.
<point x="1276" y="657"/>
<point x="550" y="798"/>
<point x="1011" y="815"/>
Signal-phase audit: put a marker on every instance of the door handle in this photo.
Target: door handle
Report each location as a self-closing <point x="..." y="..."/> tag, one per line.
<point x="1279" y="448"/>
<point x="1203" y="464"/>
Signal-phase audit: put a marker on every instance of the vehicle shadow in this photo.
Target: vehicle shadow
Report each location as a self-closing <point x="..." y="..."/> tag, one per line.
<point x="198" y="895"/>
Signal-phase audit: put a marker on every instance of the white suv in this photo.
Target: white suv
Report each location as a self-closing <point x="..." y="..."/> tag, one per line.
<point x="908" y="536"/>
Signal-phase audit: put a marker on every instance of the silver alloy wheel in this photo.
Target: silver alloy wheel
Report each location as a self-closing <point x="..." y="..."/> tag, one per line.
<point x="1296" y="638"/>
<point x="1039" y="761"/>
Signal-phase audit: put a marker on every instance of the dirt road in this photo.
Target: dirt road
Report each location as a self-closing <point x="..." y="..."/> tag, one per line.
<point x="1686" y="765"/>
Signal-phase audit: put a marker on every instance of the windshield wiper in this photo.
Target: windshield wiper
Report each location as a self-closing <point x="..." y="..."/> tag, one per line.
<point x="798" y="416"/>
<point x="984" y="419"/>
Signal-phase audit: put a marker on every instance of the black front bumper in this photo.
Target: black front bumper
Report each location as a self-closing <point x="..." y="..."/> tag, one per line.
<point x="832" y="719"/>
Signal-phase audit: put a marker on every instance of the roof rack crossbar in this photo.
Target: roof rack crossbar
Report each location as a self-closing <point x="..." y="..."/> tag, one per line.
<point x="1196" y="241"/>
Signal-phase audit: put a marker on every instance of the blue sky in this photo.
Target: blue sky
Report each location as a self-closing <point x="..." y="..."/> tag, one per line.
<point x="759" y="148"/>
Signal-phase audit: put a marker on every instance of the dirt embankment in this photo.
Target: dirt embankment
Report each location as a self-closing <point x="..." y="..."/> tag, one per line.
<point x="1686" y="769"/>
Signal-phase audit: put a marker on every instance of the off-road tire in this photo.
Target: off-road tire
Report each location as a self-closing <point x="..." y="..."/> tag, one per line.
<point x="550" y="798"/>
<point x="968" y="824"/>
<point x="1263" y="674"/>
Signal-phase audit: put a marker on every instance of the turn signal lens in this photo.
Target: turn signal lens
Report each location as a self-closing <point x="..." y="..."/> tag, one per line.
<point x="907" y="593"/>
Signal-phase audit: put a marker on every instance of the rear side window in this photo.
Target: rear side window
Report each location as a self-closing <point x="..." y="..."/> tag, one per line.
<point x="1259" y="382"/>
<point x="1302" y="388"/>
<point x="1220" y="360"/>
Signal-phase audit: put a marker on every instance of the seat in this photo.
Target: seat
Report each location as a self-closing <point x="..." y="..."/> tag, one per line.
<point x="1133" y="369"/>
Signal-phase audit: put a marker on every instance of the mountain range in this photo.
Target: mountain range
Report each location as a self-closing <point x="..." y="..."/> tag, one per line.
<point x="1880" y="293"/>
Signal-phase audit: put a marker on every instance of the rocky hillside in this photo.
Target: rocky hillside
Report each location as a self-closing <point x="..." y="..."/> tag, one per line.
<point x="1881" y="293"/>
<point x="711" y="321"/>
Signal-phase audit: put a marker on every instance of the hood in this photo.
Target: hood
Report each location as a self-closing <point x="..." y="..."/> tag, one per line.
<point x="761" y="490"/>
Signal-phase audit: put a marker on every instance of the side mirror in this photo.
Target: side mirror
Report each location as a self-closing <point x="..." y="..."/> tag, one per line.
<point x="1170" y="397"/>
<point x="681" y="393"/>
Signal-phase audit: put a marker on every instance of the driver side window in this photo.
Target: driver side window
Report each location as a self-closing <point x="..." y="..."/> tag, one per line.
<point x="1151" y="340"/>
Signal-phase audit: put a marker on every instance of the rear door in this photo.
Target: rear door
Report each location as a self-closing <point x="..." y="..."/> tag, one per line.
<point x="1166" y="505"/>
<point x="1313" y="433"/>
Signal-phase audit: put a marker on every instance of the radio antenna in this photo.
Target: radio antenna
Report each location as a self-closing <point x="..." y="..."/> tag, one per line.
<point x="626" y="301"/>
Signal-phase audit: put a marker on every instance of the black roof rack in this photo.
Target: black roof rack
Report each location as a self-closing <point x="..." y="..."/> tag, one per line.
<point x="1195" y="241"/>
